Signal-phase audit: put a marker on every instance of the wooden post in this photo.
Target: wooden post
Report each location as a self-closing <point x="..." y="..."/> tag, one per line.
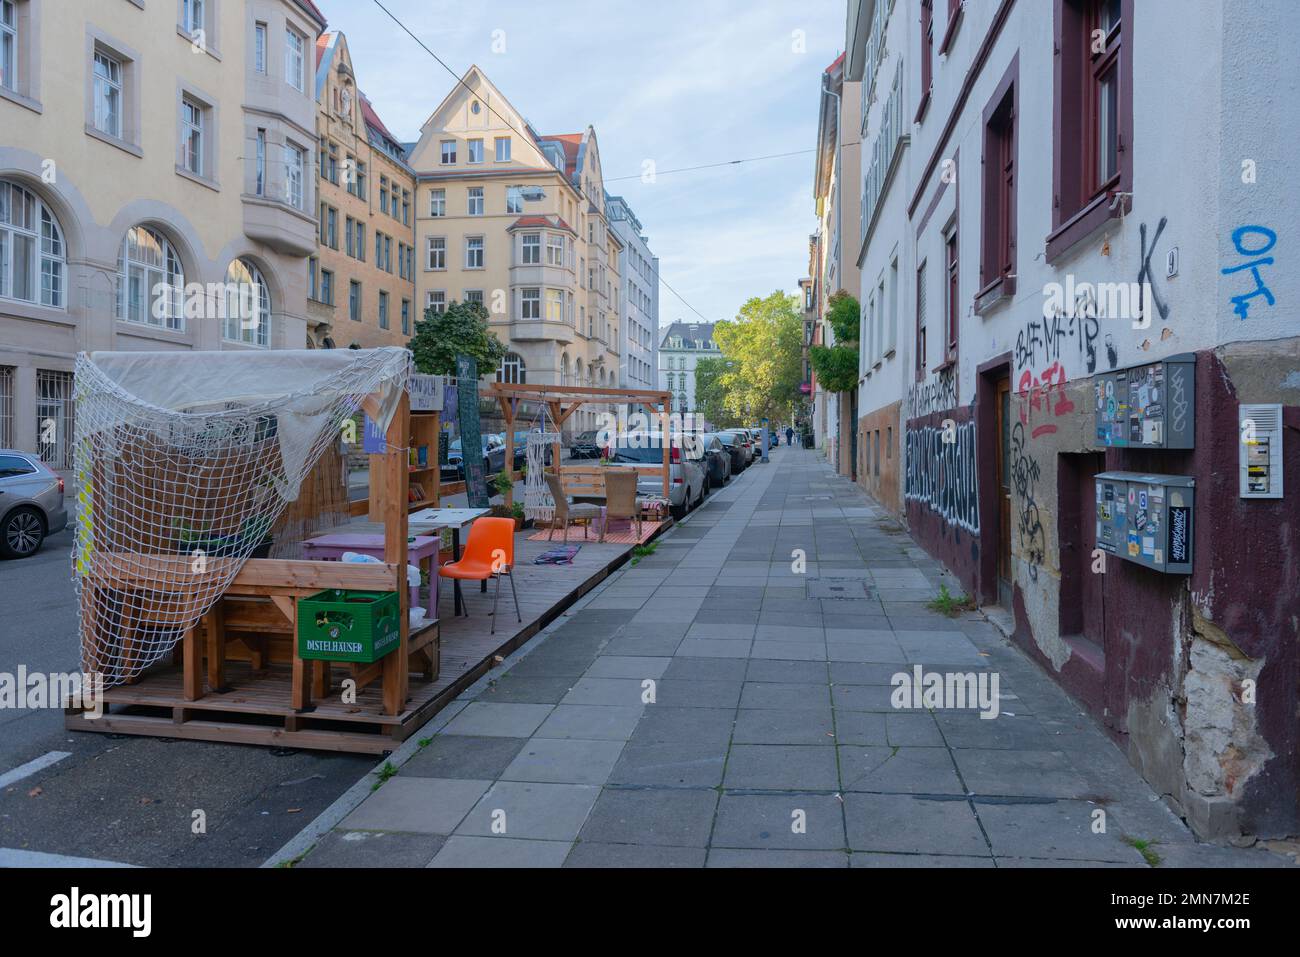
<point x="214" y="625"/>
<point x="508" y="410"/>
<point x="193" y="668"/>
<point x="394" y="481"/>
<point x="665" y="441"/>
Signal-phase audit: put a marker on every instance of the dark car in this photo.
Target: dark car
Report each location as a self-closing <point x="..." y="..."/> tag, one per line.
<point x="585" y="446"/>
<point x="31" y="503"/>
<point x="731" y="442"/>
<point x="746" y="443"/>
<point x="493" y="451"/>
<point x="718" y="457"/>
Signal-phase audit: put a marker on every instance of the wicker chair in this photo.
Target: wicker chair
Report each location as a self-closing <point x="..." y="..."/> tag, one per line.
<point x="621" y="500"/>
<point x="566" y="511"/>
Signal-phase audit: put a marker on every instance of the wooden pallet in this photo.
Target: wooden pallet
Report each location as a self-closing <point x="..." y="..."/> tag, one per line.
<point x="255" y="706"/>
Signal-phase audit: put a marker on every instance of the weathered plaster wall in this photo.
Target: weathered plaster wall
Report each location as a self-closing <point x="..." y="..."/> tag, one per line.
<point x="879" y="474"/>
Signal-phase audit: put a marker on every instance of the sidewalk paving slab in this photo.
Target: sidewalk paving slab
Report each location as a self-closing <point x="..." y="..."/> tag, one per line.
<point x="710" y="706"/>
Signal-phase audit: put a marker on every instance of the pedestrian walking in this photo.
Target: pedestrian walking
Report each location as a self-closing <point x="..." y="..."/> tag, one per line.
<point x="789" y="435"/>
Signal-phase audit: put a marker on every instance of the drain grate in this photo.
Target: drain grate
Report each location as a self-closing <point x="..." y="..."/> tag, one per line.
<point x="845" y="588"/>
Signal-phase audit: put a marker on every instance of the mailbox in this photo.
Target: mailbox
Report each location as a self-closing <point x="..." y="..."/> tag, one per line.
<point x="1148" y="406"/>
<point x="1147" y="519"/>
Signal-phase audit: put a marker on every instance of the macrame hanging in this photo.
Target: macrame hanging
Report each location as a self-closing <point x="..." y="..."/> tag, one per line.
<point x="538" y="504"/>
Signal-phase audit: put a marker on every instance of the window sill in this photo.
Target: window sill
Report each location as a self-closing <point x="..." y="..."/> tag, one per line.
<point x="945" y="365"/>
<point x="1084" y="223"/>
<point x="191" y="39"/>
<point x="148" y="328"/>
<point x="211" y="184"/>
<point x="999" y="290"/>
<point x="121" y="144"/>
<point x="21" y="308"/>
<point x="13" y="96"/>
<point x="950" y="32"/>
<point x="925" y="105"/>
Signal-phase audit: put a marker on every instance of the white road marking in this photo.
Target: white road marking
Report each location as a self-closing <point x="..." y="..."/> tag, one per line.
<point x="31" y="767"/>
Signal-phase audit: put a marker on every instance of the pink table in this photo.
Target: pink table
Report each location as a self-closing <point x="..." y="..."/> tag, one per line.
<point x="421" y="550"/>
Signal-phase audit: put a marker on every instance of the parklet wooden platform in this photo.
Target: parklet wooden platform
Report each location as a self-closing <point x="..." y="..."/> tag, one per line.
<point x="255" y="705"/>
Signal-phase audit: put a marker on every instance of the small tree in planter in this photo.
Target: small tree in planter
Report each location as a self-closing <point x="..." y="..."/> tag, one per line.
<point x="502" y="483"/>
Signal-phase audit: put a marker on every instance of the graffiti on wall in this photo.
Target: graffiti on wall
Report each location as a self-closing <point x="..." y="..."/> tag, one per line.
<point x="1056" y="338"/>
<point x="1256" y="248"/>
<point x="941" y="473"/>
<point x="1144" y="272"/>
<point x="1024" y="476"/>
<point x="1043" y="399"/>
<point x="935" y="394"/>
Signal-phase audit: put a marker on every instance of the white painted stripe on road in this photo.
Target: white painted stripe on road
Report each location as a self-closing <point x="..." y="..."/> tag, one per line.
<point x="12" y="857"/>
<point x="31" y="767"/>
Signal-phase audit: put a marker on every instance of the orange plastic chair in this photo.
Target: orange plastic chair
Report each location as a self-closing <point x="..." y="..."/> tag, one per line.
<point x="489" y="553"/>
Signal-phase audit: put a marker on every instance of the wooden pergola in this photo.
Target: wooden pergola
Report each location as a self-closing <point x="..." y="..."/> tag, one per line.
<point x="562" y="401"/>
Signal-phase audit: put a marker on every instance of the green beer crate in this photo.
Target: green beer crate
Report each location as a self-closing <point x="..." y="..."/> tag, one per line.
<point x="342" y="625"/>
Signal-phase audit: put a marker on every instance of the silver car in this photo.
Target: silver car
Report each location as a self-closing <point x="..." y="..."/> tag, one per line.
<point x="31" y="503"/>
<point x="686" y="471"/>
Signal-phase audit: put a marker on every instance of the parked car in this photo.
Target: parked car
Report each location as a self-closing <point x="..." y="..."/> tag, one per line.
<point x="31" y="504"/>
<point x="746" y="444"/>
<point x="493" y="451"/>
<point x="735" y="450"/>
<point x="717" y="458"/>
<point x="686" y="472"/>
<point x="585" y="446"/>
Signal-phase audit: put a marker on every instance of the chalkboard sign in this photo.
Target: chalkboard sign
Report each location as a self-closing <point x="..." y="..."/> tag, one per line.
<point x="471" y="438"/>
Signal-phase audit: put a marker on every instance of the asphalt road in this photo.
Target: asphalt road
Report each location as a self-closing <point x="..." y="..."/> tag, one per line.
<point x="133" y="799"/>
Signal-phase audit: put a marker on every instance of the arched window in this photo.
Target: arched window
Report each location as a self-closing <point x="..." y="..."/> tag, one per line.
<point x="150" y="281"/>
<point x="577" y="372"/>
<point x="512" y="369"/>
<point x="564" y="369"/>
<point x="33" y="258"/>
<point x="248" y="305"/>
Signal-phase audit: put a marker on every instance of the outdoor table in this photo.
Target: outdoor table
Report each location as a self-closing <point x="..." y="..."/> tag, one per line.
<point x="431" y="519"/>
<point x="423" y="550"/>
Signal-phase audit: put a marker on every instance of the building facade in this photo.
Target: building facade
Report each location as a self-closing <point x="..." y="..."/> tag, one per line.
<point x="361" y="281"/>
<point x="681" y="346"/>
<point x="1084" y="289"/>
<point x="136" y="210"/>
<point x="835" y="263"/>
<point x="638" y="339"/>
<point x="517" y="221"/>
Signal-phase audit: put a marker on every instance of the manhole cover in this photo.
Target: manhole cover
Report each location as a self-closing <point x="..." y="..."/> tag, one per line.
<point x="847" y="588"/>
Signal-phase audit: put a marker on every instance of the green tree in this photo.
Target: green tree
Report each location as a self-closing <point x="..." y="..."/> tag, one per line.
<point x="711" y="393"/>
<point x="836" y="366"/>
<point x="761" y="372"/>
<point x="462" y="329"/>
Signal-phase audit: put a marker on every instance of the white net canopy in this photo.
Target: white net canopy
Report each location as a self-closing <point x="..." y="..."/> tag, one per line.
<point x="184" y="462"/>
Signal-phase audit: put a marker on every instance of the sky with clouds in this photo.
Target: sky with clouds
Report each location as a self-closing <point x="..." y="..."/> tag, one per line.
<point x="680" y="82"/>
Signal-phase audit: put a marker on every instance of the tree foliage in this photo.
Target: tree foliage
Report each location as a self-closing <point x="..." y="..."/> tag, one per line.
<point x="711" y="393"/>
<point x="836" y="366"/>
<point x="760" y="375"/>
<point x="462" y="329"/>
<point x="844" y="317"/>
